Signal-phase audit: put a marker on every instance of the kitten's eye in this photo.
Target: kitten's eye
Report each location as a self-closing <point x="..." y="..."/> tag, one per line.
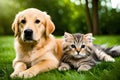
<point x="82" y="46"/>
<point x="73" y="46"/>
<point x="23" y="21"/>
<point x="37" y="21"/>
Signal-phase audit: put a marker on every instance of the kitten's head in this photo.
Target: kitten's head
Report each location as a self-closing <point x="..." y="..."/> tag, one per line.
<point x="77" y="44"/>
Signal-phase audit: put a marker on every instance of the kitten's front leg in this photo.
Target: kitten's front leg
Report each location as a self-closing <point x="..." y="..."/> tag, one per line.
<point x="64" y="67"/>
<point x="104" y="56"/>
<point x="108" y="58"/>
<point x="84" y="67"/>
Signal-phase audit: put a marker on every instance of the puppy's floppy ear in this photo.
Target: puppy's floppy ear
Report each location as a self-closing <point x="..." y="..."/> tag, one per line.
<point x="50" y="27"/>
<point x="15" y="25"/>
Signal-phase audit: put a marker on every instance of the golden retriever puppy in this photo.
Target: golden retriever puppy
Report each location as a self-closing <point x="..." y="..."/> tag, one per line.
<point x="36" y="49"/>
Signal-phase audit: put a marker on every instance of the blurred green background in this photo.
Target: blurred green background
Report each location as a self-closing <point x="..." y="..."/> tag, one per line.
<point x="67" y="15"/>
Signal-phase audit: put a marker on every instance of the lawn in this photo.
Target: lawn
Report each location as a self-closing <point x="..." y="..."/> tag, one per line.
<point x="103" y="71"/>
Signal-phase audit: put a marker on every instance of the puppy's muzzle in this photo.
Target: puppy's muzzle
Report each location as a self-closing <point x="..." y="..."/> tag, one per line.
<point x="28" y="34"/>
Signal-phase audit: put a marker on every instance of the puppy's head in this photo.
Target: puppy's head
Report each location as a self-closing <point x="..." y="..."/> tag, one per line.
<point x="32" y="24"/>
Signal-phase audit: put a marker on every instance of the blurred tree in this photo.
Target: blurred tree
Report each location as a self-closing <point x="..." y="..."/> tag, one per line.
<point x="92" y="25"/>
<point x="95" y="16"/>
<point x="89" y="20"/>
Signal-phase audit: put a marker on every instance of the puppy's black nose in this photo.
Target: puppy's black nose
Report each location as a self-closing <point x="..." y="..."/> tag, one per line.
<point x="28" y="34"/>
<point x="28" y="31"/>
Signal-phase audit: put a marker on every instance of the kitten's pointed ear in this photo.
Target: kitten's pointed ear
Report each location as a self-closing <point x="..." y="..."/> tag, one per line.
<point x="89" y="37"/>
<point x="68" y="36"/>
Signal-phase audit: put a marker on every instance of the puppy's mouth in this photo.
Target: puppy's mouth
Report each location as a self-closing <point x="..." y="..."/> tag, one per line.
<point x="28" y="38"/>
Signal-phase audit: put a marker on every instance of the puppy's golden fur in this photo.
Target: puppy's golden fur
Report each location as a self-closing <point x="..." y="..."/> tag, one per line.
<point x="39" y="54"/>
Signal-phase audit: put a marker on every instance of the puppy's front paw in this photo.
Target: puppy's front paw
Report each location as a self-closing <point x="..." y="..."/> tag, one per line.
<point x="14" y="74"/>
<point x="26" y="74"/>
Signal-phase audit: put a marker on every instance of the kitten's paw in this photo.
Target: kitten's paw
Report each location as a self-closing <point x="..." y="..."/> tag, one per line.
<point x="84" y="68"/>
<point x="63" y="68"/>
<point x="109" y="59"/>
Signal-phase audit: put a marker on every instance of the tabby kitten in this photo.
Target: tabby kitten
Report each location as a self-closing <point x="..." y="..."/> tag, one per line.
<point x="80" y="53"/>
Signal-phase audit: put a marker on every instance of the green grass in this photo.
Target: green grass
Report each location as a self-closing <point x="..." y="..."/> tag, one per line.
<point x="103" y="71"/>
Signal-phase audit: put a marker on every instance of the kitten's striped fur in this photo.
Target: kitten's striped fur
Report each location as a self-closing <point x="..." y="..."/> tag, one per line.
<point x="81" y="54"/>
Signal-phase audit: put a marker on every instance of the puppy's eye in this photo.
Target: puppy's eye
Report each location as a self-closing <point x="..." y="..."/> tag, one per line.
<point x="73" y="46"/>
<point x="37" y="21"/>
<point x="82" y="46"/>
<point x="23" y="21"/>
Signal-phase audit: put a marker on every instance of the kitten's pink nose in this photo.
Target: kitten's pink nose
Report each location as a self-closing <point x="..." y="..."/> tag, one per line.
<point x="78" y="50"/>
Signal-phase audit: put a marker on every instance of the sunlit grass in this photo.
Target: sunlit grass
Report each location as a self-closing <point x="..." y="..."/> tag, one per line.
<point x="110" y="40"/>
<point x="102" y="71"/>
